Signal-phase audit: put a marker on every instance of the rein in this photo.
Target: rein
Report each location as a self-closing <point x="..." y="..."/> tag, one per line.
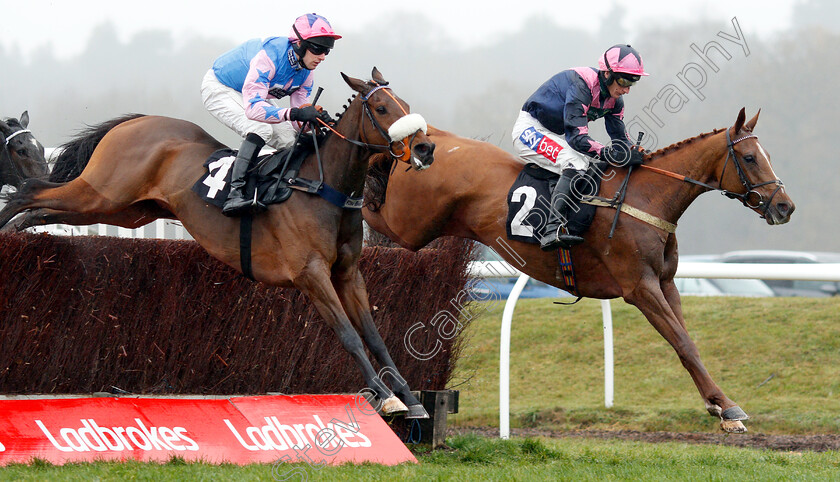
<point x="746" y="197"/>
<point x="406" y="154"/>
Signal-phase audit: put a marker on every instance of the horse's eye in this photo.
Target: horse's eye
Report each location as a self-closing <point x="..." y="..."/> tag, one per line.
<point x="21" y="152"/>
<point x="749" y="158"/>
<point x="381" y="110"/>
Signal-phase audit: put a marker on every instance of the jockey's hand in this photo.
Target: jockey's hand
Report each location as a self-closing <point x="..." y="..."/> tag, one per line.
<point x="637" y="155"/>
<point x="325" y="117"/>
<point x="618" y="155"/>
<point x="304" y="114"/>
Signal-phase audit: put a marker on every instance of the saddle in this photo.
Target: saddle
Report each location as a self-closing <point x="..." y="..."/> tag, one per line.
<point x="272" y="175"/>
<point x="529" y="202"/>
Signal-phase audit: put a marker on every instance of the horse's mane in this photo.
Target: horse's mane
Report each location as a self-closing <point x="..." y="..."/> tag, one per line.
<point x="75" y="154"/>
<point x="679" y="145"/>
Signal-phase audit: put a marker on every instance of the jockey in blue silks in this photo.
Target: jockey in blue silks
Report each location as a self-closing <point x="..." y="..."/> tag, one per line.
<point x="241" y="87"/>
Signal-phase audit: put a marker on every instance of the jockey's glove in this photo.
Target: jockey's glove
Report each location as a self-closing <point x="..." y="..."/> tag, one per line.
<point x="308" y="114"/>
<point x="637" y="156"/>
<point x="619" y="155"/>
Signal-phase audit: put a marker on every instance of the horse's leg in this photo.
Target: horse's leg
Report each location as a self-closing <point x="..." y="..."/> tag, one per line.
<point x="652" y="301"/>
<point x="730" y="414"/>
<point x="135" y="216"/>
<point x="350" y="287"/>
<point x="76" y="196"/>
<point x="314" y="282"/>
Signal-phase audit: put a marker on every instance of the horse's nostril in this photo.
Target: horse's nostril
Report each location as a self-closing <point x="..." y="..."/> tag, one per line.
<point x="783" y="208"/>
<point x="424" y="149"/>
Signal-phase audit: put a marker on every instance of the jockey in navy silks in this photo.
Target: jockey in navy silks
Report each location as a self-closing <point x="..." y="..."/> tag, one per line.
<point x="552" y="130"/>
<point x="243" y="84"/>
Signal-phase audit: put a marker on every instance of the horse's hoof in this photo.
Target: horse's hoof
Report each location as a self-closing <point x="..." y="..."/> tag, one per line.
<point x="417" y="411"/>
<point x="732" y="426"/>
<point x="734" y="413"/>
<point x="393" y="406"/>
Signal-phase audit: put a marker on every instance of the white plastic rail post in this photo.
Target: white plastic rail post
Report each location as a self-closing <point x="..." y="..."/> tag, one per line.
<point x="504" y="357"/>
<point x="606" y="313"/>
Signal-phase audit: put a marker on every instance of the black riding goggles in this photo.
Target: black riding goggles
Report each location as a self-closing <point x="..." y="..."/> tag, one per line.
<point x="626" y="80"/>
<point x="317" y="49"/>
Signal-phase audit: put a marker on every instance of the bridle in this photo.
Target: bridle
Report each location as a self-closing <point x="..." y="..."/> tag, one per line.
<point x="391" y="135"/>
<point x="751" y="198"/>
<point x="760" y="203"/>
<point x="14" y="168"/>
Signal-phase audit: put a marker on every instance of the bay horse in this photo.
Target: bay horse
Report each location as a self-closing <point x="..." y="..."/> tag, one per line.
<point x="21" y="155"/>
<point x="467" y="190"/>
<point x="142" y="168"/>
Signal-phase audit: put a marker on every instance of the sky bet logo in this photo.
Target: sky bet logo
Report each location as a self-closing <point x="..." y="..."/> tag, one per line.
<point x="93" y="437"/>
<point x="541" y="144"/>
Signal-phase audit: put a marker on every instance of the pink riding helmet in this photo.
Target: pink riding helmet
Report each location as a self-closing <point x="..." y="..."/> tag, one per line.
<point x="311" y="26"/>
<point x="622" y="58"/>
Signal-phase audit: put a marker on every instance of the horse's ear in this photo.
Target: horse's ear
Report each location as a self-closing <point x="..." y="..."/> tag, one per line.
<point x="377" y="77"/>
<point x="751" y="124"/>
<point x="355" y="84"/>
<point x="739" y="122"/>
<point x="24" y="119"/>
<point x="4" y="128"/>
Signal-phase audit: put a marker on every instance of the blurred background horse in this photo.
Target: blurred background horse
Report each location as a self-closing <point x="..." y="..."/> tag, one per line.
<point x="22" y="156"/>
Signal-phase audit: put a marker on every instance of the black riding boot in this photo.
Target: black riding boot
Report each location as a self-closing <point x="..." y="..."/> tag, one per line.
<point x="557" y="216"/>
<point x="237" y="202"/>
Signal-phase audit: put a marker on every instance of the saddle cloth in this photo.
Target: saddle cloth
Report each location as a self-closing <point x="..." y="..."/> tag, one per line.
<point x="529" y="202"/>
<point x="214" y="185"/>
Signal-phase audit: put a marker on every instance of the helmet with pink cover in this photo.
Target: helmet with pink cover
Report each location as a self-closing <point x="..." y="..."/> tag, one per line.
<point x="622" y="59"/>
<point x="314" y="29"/>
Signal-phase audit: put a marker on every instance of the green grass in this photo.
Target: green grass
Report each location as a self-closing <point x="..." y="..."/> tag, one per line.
<point x="776" y="357"/>
<point x="475" y="458"/>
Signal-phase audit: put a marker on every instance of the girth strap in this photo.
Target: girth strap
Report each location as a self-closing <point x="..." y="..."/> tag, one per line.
<point x="245" y="224"/>
<point x="633" y="212"/>
<point x="327" y="192"/>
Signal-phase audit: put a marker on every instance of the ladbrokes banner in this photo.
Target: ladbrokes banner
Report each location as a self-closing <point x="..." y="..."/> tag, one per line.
<point x="312" y="429"/>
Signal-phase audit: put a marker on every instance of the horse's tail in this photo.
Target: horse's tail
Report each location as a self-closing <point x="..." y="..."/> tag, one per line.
<point x="75" y="154"/>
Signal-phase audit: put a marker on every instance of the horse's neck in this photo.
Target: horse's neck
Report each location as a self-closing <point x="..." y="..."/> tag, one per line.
<point x="344" y="166"/>
<point x="698" y="160"/>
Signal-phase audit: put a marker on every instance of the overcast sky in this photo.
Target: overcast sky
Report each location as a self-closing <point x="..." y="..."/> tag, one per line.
<point x="66" y="25"/>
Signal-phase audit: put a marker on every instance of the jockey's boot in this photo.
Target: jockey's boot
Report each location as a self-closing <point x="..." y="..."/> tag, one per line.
<point x="237" y="202"/>
<point x="560" y="202"/>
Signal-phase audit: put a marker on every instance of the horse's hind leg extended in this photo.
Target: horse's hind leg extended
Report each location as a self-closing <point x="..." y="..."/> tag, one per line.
<point x="656" y="307"/>
<point x="135" y="216"/>
<point x="315" y="283"/>
<point x="75" y="196"/>
<point x="350" y="287"/>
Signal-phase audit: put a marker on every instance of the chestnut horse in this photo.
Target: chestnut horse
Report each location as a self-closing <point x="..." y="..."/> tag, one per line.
<point x="143" y="168"/>
<point x="467" y="190"/>
<point x="21" y="155"/>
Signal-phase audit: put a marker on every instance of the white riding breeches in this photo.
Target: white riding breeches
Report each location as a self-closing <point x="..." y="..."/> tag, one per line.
<point x="227" y="105"/>
<point x="536" y="144"/>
